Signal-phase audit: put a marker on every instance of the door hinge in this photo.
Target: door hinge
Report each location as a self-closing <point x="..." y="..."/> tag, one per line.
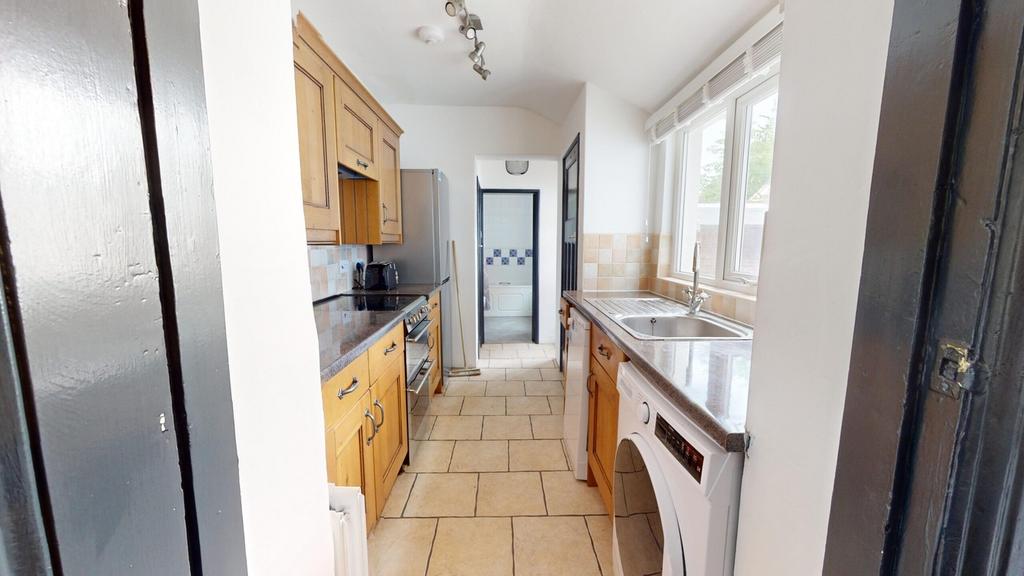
<point x="954" y="369"/>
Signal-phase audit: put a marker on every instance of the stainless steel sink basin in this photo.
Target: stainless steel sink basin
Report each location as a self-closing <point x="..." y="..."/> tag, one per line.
<point x="699" y="327"/>
<point x="656" y="318"/>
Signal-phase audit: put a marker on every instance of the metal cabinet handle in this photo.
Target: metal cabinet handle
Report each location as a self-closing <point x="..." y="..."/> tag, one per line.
<point x="430" y="341"/>
<point x="590" y="389"/>
<point x="362" y="163"/>
<point x="604" y="352"/>
<point x="373" y="421"/>
<point x="346" y="391"/>
<point x="390" y="349"/>
<point x="381" y="425"/>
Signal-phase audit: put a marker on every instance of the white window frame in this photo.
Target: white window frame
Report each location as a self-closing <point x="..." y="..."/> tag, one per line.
<point x="737" y="106"/>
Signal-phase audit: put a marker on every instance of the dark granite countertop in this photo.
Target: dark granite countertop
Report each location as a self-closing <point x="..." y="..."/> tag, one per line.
<point x="707" y="380"/>
<point x="346" y="331"/>
<point x="402" y="290"/>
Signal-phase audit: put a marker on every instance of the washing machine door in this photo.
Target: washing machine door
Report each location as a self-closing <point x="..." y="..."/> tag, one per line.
<point x="646" y="529"/>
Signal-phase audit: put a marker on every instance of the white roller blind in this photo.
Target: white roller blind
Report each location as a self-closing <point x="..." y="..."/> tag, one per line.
<point x="759" y="56"/>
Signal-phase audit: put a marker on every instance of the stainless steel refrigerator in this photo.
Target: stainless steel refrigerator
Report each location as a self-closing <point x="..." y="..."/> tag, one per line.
<point x="424" y="256"/>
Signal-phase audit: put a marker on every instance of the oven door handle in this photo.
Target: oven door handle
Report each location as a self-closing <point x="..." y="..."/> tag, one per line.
<point x="423" y="379"/>
<point x="418" y="331"/>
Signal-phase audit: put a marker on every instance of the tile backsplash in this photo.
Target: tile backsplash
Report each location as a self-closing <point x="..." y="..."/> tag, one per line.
<point x="642" y="262"/>
<point x="325" y="269"/>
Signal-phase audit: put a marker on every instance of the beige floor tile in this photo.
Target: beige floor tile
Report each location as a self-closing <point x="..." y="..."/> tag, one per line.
<point x="524" y="374"/>
<point x="557" y="404"/>
<point x="601" y="535"/>
<point x="457" y="428"/>
<point x="507" y="427"/>
<point x="540" y="363"/>
<point x="401" y="546"/>
<point x="445" y="405"/>
<point x="431" y="456"/>
<point x="501" y="353"/>
<point x="519" y="405"/>
<point x="543" y="388"/>
<point x="565" y="495"/>
<point x="547" y="427"/>
<point x="531" y="353"/>
<point x="508" y="388"/>
<point x="399" y="495"/>
<point x="506" y="363"/>
<point x="510" y="494"/>
<point x="488" y="374"/>
<point x="472" y="547"/>
<point x="644" y="556"/>
<point x="553" y="546"/>
<point x="480" y="456"/>
<point x="515" y="346"/>
<point x="442" y="495"/>
<point x="483" y="406"/>
<point x="423" y="432"/>
<point x="462" y="387"/>
<point x="536" y="455"/>
<point x="551" y="374"/>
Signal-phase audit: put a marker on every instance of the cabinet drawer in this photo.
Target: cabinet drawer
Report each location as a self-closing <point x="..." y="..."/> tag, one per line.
<point x="605" y="352"/>
<point x="344" y="390"/>
<point x="386" y="350"/>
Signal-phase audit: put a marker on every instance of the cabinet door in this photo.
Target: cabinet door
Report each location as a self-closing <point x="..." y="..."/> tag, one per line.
<point x="358" y="138"/>
<point x="390" y="185"/>
<point x="318" y="156"/>
<point x="350" y="460"/>
<point x="604" y="426"/>
<point x="391" y="443"/>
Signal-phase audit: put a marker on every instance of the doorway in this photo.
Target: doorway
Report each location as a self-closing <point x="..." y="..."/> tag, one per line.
<point x="508" y="226"/>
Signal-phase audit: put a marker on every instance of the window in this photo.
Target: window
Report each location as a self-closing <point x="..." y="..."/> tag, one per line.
<point x="723" y="175"/>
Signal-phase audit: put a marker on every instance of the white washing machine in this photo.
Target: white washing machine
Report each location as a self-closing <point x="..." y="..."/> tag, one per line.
<point x="676" y="492"/>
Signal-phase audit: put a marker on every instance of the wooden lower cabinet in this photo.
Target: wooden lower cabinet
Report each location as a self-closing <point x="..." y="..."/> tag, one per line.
<point x="391" y="442"/>
<point x="350" y="455"/>
<point x="603" y="426"/>
<point x="367" y="428"/>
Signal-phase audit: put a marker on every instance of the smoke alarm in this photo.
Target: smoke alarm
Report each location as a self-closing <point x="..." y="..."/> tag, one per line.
<point x="430" y="34"/>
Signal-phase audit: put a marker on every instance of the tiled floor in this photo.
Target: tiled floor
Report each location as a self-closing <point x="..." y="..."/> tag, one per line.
<point x="507" y="329"/>
<point x="490" y="492"/>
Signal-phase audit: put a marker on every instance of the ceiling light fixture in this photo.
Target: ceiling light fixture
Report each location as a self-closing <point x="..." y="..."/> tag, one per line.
<point x="478" y="52"/>
<point x="470" y="26"/>
<point x="455" y="7"/>
<point x="430" y="34"/>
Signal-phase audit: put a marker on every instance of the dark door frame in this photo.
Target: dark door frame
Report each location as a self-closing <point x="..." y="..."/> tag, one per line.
<point x="568" y="276"/>
<point x="480" y="192"/>
<point x="928" y="478"/>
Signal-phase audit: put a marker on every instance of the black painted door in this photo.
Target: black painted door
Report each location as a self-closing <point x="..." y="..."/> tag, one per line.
<point x="928" y="478"/>
<point x="83" y="280"/>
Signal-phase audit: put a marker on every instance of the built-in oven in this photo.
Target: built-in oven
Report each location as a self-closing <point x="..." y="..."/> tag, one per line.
<point x="419" y="370"/>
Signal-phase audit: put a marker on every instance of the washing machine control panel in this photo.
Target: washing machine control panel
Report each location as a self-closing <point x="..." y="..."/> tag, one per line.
<point x="684" y="452"/>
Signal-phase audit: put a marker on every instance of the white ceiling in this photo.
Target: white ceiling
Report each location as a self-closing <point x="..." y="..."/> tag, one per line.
<point x="539" y="51"/>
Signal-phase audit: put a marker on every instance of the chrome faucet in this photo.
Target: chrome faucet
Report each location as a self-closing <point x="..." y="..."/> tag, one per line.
<point x="696" y="295"/>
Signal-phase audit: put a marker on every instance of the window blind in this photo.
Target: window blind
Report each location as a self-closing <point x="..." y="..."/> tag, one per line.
<point x="759" y="56"/>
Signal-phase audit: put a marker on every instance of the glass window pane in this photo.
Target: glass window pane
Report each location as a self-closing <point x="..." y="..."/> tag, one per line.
<point x="702" y="195"/>
<point x="757" y="181"/>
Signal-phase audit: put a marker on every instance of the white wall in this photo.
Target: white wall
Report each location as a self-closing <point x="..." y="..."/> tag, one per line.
<point x="543" y="175"/>
<point x="272" y="343"/>
<point x="616" y="169"/>
<point x="807" y="294"/>
<point x="451" y="138"/>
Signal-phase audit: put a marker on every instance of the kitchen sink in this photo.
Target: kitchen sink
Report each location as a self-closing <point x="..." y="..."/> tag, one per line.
<point x="698" y="327"/>
<point x="655" y="318"/>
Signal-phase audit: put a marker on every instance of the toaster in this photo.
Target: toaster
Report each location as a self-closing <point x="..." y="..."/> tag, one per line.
<point x="381" y="276"/>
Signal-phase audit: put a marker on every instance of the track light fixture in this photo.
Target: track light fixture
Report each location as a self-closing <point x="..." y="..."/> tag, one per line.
<point x="478" y="52"/>
<point x="470" y="26"/>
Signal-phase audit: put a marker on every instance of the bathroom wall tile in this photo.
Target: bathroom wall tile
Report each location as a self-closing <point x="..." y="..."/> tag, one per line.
<point x="619" y="255"/>
<point x="619" y="241"/>
<point x="591" y="270"/>
<point x="604" y="256"/>
<point x="633" y="255"/>
<point x="590" y="255"/>
<point x="634" y="241"/>
<point x="607" y="240"/>
<point x="632" y="270"/>
<point x="605" y="270"/>
<point x="591" y="241"/>
<point x="605" y="284"/>
<point x="590" y="283"/>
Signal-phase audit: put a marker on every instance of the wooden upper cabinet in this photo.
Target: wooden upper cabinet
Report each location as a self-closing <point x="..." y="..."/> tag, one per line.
<point x="390" y="185"/>
<point x="358" y="134"/>
<point x="314" y="96"/>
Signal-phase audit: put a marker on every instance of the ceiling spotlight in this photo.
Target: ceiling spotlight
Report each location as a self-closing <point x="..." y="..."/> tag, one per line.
<point x="454" y="7"/>
<point x="479" y="69"/>
<point x="471" y="26"/>
<point x="478" y="52"/>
